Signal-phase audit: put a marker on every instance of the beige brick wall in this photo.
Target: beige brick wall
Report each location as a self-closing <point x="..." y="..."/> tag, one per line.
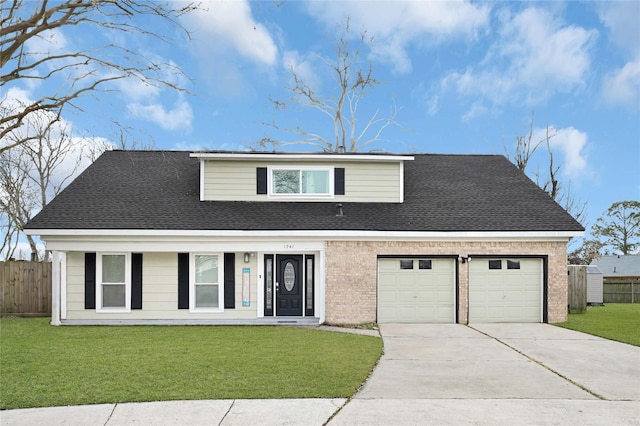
<point x="351" y="278"/>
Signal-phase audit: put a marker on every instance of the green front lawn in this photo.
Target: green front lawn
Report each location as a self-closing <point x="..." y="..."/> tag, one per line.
<point x="41" y="365"/>
<point x="615" y="321"/>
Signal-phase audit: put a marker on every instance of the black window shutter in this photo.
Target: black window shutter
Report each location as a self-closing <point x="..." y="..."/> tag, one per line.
<point x="261" y="180"/>
<point x="89" y="280"/>
<point x="136" y="281"/>
<point x="338" y="181"/>
<point x="230" y="280"/>
<point x="183" y="280"/>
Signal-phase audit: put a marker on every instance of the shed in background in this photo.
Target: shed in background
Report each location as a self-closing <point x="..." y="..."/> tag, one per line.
<point x="595" y="279"/>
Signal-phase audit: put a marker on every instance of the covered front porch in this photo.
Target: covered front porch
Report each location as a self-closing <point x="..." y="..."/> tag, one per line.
<point x="248" y="282"/>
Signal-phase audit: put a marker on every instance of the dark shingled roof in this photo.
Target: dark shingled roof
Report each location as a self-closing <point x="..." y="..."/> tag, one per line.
<point x="158" y="190"/>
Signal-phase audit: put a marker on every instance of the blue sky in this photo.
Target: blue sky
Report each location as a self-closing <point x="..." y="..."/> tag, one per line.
<point x="465" y="78"/>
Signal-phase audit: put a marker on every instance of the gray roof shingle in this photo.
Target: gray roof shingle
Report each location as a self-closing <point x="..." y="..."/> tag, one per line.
<point x="619" y="265"/>
<point x="158" y="190"/>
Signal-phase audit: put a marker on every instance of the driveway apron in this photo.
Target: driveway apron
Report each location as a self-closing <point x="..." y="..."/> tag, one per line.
<point x="456" y="361"/>
<point x="608" y="369"/>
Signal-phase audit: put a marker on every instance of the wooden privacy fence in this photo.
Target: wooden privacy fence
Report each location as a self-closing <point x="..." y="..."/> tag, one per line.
<point x="577" y="283"/>
<point x="621" y="290"/>
<point x="25" y="288"/>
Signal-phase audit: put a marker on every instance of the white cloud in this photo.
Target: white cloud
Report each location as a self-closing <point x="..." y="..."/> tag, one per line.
<point x="622" y="86"/>
<point x="219" y="25"/>
<point x="397" y="25"/>
<point x="180" y="117"/>
<point x="535" y="57"/>
<point x="476" y="110"/>
<point x="621" y="18"/>
<point x="571" y="143"/>
<point x="544" y="52"/>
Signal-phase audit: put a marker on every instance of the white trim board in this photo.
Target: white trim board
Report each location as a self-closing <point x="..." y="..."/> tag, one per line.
<point x="300" y="156"/>
<point x="310" y="234"/>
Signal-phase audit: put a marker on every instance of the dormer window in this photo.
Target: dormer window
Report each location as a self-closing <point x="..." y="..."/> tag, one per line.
<point x="301" y="181"/>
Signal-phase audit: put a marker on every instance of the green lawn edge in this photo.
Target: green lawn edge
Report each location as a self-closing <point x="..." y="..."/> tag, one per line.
<point x="613" y="321"/>
<point x="42" y="366"/>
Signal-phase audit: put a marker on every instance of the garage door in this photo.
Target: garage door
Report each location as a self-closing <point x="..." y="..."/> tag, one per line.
<point x="416" y="290"/>
<point x="505" y="290"/>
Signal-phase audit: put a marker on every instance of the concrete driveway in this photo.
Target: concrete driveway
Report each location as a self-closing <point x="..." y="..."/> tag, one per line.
<point x="497" y="374"/>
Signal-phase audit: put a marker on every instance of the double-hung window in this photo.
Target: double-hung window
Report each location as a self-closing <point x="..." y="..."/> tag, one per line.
<point x="301" y="182"/>
<point x="113" y="273"/>
<point x="206" y="292"/>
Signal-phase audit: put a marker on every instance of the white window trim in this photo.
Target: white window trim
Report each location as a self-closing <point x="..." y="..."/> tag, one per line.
<point x="192" y="283"/>
<point x="127" y="283"/>
<point x="329" y="169"/>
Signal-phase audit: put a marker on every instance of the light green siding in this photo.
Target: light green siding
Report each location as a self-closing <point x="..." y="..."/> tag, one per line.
<point x="364" y="181"/>
<point x="159" y="291"/>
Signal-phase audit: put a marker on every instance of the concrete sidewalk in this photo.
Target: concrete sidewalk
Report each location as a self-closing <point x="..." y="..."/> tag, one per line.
<point x="444" y="374"/>
<point x="214" y="412"/>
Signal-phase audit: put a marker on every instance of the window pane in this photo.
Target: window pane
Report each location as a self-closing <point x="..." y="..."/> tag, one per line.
<point x="406" y="264"/>
<point x="269" y="284"/>
<point x="425" y="264"/>
<point x="206" y="296"/>
<point x="309" y="290"/>
<point x="495" y="264"/>
<point x="113" y="268"/>
<point x="113" y="296"/>
<point x="513" y="264"/>
<point x="315" y="182"/>
<point x="207" y="269"/>
<point x="286" y="181"/>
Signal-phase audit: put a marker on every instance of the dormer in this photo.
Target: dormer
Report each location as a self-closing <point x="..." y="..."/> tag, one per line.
<point x="308" y="177"/>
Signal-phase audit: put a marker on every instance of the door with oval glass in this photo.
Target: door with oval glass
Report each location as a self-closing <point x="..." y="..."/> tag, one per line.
<point x="289" y="282"/>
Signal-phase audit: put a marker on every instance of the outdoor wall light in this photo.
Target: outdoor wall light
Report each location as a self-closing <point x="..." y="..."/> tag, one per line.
<point x="247" y="257"/>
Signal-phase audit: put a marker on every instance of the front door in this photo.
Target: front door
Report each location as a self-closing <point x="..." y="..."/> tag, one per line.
<point x="289" y="282"/>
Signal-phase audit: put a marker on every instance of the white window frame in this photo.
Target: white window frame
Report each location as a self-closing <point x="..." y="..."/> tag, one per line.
<point x="192" y="283"/>
<point x="329" y="169"/>
<point x="127" y="283"/>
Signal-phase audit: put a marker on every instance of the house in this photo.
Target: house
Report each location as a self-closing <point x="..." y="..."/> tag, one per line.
<point x="619" y="266"/>
<point x="166" y="237"/>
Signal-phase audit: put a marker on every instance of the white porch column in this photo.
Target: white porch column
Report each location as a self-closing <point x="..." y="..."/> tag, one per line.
<point x="63" y="285"/>
<point x="55" y="287"/>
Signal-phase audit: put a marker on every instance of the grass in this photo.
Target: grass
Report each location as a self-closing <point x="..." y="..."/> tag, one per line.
<point x="615" y="321"/>
<point x="41" y="365"/>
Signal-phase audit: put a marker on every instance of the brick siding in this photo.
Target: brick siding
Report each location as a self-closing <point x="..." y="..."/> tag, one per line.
<point x="351" y="273"/>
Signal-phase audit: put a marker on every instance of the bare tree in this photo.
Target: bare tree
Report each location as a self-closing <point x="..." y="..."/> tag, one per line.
<point x="549" y="181"/>
<point x="16" y="200"/>
<point x="353" y="81"/>
<point x="82" y="72"/>
<point x="34" y="172"/>
<point x="525" y="148"/>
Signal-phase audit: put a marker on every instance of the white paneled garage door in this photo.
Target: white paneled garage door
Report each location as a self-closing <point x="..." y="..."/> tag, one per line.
<point x="505" y="290"/>
<point x="416" y="290"/>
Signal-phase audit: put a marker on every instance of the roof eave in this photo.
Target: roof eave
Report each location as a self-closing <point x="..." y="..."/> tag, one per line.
<point x="472" y="235"/>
